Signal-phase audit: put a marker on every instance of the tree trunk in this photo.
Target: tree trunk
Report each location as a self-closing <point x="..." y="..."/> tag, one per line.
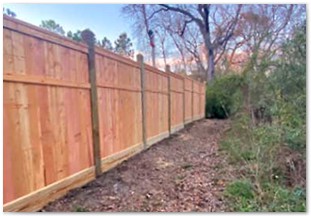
<point x="211" y="66"/>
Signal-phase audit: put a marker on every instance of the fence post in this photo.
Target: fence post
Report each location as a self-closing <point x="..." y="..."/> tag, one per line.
<point x="184" y="102"/>
<point x="140" y="60"/>
<point x="192" y="94"/>
<point x="168" y="69"/>
<point x="89" y="38"/>
<point x="204" y="101"/>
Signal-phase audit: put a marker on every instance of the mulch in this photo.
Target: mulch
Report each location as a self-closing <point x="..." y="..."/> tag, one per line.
<point x="183" y="173"/>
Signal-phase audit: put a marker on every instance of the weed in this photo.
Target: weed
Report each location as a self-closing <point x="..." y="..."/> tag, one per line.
<point x="80" y="209"/>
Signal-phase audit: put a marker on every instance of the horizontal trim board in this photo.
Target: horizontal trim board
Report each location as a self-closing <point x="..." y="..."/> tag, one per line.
<point x="157" y="138"/>
<point x="196" y="117"/>
<point x="187" y="121"/>
<point x="111" y="161"/>
<point x="118" y="88"/>
<point x="180" y="92"/>
<point x="154" y="91"/>
<point x="39" y="80"/>
<point x="38" y="199"/>
<point x="188" y="90"/>
<point x="176" y="128"/>
<point x="120" y="154"/>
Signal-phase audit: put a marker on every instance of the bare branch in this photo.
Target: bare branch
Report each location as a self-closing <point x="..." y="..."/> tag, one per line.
<point x="179" y="10"/>
<point x="184" y="27"/>
<point x="230" y="30"/>
<point x="157" y="11"/>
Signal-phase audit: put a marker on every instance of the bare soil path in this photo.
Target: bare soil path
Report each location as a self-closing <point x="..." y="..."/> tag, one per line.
<point x="182" y="173"/>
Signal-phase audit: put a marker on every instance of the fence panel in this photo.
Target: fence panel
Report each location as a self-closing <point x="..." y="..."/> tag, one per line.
<point x="120" y="114"/>
<point x="48" y="144"/>
<point x="196" y="100"/>
<point x="177" y="102"/>
<point x="47" y="124"/>
<point x="188" y="100"/>
<point x="156" y="93"/>
<point x="202" y="100"/>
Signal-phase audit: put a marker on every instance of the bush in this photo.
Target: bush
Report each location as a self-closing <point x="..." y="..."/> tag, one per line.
<point x="241" y="195"/>
<point x="224" y="96"/>
<point x="241" y="189"/>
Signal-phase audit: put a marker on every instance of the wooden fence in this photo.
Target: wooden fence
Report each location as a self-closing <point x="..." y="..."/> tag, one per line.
<point x="72" y="111"/>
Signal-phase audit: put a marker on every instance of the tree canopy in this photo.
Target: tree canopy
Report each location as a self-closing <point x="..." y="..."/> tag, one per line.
<point x="52" y="26"/>
<point x="123" y="45"/>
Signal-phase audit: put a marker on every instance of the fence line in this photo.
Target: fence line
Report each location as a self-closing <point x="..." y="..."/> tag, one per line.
<point x="73" y="111"/>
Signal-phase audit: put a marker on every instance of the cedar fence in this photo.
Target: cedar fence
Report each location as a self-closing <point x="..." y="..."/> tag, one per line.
<point x="72" y="111"/>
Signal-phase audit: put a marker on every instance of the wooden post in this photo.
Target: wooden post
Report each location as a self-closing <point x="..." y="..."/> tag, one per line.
<point x="89" y="38"/>
<point x="204" y="101"/>
<point x="140" y="59"/>
<point x="192" y="94"/>
<point x="184" y="101"/>
<point x="167" y="69"/>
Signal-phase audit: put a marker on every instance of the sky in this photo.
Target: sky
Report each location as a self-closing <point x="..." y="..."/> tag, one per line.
<point x="103" y="19"/>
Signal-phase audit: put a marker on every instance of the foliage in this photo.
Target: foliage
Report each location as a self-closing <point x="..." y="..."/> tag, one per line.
<point x="9" y="12"/>
<point x="123" y="45"/>
<point x="52" y="26"/>
<point x="289" y="81"/>
<point x="241" y="189"/>
<point x="106" y="44"/>
<point x="75" y="36"/>
<point x="277" y="198"/>
<point x="271" y="155"/>
<point x="223" y="96"/>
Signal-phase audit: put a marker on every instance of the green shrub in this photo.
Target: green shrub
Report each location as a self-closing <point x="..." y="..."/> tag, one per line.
<point x="241" y="196"/>
<point x="223" y="96"/>
<point x="285" y="200"/>
<point x="240" y="189"/>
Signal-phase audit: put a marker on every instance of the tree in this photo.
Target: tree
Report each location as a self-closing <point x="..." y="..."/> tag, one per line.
<point x="216" y="25"/>
<point x="52" y="26"/>
<point x="200" y="15"/>
<point x="9" y="12"/>
<point x="141" y="26"/>
<point x="75" y="36"/>
<point x="123" y="46"/>
<point x="106" y="44"/>
<point x="259" y="35"/>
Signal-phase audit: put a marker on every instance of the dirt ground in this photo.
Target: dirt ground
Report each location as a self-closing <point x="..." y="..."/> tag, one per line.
<point x="185" y="172"/>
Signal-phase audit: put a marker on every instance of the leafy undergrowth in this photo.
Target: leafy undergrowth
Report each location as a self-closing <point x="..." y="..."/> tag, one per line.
<point x="267" y="142"/>
<point x="270" y="177"/>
